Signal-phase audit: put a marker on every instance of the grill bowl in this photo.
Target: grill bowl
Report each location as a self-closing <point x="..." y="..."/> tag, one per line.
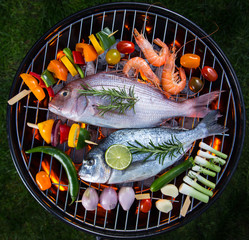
<point x="69" y="32"/>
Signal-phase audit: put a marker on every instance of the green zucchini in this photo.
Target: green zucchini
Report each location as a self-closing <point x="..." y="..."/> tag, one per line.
<point x="171" y="174"/>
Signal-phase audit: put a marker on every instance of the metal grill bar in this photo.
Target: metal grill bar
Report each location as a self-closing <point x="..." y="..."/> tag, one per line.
<point x="112" y="221"/>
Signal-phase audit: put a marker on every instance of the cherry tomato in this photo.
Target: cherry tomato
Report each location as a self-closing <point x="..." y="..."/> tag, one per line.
<point x="190" y="60"/>
<point x="145" y="205"/>
<point x="195" y="84"/>
<point x="112" y="56"/>
<point x="126" y="47"/>
<point x="209" y="73"/>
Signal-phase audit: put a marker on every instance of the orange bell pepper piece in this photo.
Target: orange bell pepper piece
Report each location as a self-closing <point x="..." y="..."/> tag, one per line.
<point x="87" y="50"/>
<point x="58" y="69"/>
<point x="43" y="180"/>
<point x="45" y="129"/>
<point x="33" y="85"/>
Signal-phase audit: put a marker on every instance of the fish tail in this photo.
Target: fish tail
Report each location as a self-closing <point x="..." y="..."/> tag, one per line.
<point x="198" y="107"/>
<point x="209" y="126"/>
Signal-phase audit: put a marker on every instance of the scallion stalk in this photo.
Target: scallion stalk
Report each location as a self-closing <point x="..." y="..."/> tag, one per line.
<point x="209" y="156"/>
<point x="201" y="179"/>
<point x="204" y="163"/>
<point x="204" y="171"/>
<point x="209" y="148"/>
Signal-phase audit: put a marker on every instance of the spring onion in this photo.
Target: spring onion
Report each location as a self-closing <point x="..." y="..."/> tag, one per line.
<point x="204" y="163"/>
<point x="212" y="150"/>
<point x="212" y="157"/>
<point x="204" y="171"/>
<point x="197" y="186"/>
<point x="201" y="179"/>
<point x="187" y="190"/>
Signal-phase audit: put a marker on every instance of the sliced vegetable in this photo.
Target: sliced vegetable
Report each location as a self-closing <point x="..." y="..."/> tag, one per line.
<point x="204" y="171"/>
<point x="78" y="58"/>
<point x="212" y="150"/>
<point x="87" y="50"/>
<point x="204" y="163"/>
<point x="209" y="73"/>
<point x="170" y="190"/>
<point x="113" y="57"/>
<point x="171" y="174"/>
<point x="48" y="78"/>
<point x="90" y="199"/>
<point x="142" y="196"/>
<point x="190" y="60"/>
<point x="187" y="190"/>
<point x="212" y="157"/>
<point x="164" y="205"/>
<point x="96" y="44"/>
<point x="197" y="186"/>
<point x="145" y="205"/>
<point x="73" y="135"/>
<point x="83" y="136"/>
<point x="125" y="47"/>
<point x="43" y="181"/>
<point x="195" y="84"/>
<point x="55" y="134"/>
<point x="105" y="38"/>
<point x="201" y="179"/>
<point x="33" y="85"/>
<point x="58" y="69"/>
<point x="69" y="65"/>
<point x="45" y="129"/>
<point x="64" y="132"/>
<point x="126" y="197"/>
<point x="59" y="55"/>
<point x="67" y="164"/>
<point x="108" y="198"/>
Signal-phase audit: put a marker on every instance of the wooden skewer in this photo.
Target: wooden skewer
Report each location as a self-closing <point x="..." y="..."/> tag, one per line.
<point x="19" y="96"/>
<point x="32" y="125"/>
<point x="112" y="33"/>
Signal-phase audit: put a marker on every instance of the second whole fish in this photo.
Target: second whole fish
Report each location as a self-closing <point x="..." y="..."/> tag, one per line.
<point x="94" y="168"/>
<point x="151" y="109"/>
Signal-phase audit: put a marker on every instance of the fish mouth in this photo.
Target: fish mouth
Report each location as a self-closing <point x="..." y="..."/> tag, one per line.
<point x="54" y="109"/>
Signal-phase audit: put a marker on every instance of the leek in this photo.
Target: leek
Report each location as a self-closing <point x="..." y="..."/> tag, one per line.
<point x="212" y="150"/>
<point x="187" y="190"/>
<point x="197" y="186"/>
<point x="204" y="171"/>
<point x="201" y="179"/>
<point x="204" y="163"/>
<point x="212" y="157"/>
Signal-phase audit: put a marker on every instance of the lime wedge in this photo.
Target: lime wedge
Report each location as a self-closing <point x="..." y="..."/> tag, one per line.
<point x="118" y="156"/>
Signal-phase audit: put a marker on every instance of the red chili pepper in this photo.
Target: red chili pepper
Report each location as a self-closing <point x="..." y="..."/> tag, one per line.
<point x="78" y="58"/>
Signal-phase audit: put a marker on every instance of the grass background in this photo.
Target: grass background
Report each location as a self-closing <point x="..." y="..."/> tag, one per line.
<point x="22" y="22"/>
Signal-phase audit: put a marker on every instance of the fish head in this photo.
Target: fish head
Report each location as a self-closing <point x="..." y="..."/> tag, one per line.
<point x="68" y="102"/>
<point x="94" y="168"/>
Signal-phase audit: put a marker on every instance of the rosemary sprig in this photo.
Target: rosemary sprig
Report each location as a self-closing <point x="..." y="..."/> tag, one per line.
<point x="120" y="100"/>
<point x="170" y="148"/>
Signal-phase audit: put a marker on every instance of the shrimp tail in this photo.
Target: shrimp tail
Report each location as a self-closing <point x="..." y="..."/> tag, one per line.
<point x="198" y="107"/>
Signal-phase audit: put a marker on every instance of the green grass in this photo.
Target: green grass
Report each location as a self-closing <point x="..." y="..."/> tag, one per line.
<point x="22" y="22"/>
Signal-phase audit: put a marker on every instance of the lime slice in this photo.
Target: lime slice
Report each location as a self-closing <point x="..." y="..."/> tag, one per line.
<point x="118" y="156"/>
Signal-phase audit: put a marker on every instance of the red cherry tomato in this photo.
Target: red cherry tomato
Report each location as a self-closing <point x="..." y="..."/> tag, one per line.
<point x="126" y="47"/>
<point x="145" y="205"/>
<point x="209" y="73"/>
<point x="190" y="60"/>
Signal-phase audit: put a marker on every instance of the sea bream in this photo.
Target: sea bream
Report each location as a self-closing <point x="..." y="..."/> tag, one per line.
<point x="151" y="107"/>
<point x="95" y="169"/>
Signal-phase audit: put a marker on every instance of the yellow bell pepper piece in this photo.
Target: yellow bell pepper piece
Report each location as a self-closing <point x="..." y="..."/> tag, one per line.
<point x="45" y="129"/>
<point x="73" y="135"/>
<point x="69" y="65"/>
<point x="96" y="44"/>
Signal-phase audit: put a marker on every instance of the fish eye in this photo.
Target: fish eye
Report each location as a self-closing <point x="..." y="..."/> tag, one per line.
<point x="64" y="93"/>
<point x="90" y="162"/>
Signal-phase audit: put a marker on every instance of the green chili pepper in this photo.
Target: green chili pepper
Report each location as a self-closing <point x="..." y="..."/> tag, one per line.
<point x="48" y="78"/>
<point x="67" y="164"/>
<point x="69" y="55"/>
<point x="104" y="39"/>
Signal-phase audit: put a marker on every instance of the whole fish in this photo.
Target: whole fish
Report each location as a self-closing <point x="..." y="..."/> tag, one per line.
<point x="150" y="110"/>
<point x="95" y="169"/>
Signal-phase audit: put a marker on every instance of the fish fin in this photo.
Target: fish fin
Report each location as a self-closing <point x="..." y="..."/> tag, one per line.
<point x="198" y="107"/>
<point x="209" y="126"/>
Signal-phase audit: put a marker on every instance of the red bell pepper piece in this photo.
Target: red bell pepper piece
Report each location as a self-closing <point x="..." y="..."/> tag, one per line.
<point x="64" y="132"/>
<point x="78" y="58"/>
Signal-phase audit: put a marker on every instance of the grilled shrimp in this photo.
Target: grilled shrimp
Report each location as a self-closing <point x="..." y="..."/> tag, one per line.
<point x="173" y="81"/>
<point x="153" y="58"/>
<point x="140" y="65"/>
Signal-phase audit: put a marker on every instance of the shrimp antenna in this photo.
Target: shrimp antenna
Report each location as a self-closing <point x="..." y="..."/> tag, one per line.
<point x="216" y="30"/>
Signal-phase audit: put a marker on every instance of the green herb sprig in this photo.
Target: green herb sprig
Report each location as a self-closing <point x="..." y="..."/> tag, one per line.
<point x="161" y="151"/>
<point x="120" y="99"/>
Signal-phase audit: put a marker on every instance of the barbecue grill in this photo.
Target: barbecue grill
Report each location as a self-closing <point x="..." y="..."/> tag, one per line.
<point x="155" y="22"/>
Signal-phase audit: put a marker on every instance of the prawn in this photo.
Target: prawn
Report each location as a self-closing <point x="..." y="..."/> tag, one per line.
<point x="140" y="65"/>
<point x="153" y="58"/>
<point x="173" y="82"/>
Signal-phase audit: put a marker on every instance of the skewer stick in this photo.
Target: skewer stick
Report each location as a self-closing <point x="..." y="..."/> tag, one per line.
<point x="112" y="33"/>
<point x="19" y="96"/>
<point x="35" y="126"/>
